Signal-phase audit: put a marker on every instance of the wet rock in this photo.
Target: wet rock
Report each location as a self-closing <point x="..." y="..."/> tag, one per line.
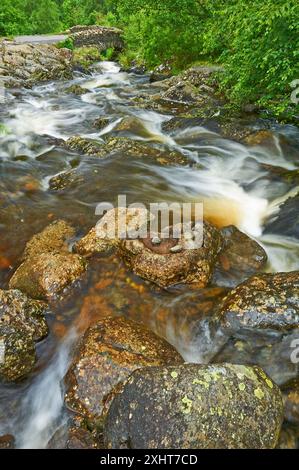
<point x="286" y="222"/>
<point x="133" y="125"/>
<point x="126" y="147"/>
<point x="48" y="266"/>
<point x="171" y="262"/>
<point x="261" y="319"/>
<point x="54" y="237"/>
<point x="133" y="148"/>
<point x="26" y="64"/>
<point x="46" y="275"/>
<point x="74" y="434"/>
<point x="165" y="266"/>
<point x="260" y="137"/>
<point x="107" y="354"/>
<point x="194" y="406"/>
<point x="291" y="400"/>
<point x="22" y="323"/>
<point x="101" y="122"/>
<point x="7" y="442"/>
<point x="66" y="180"/>
<point x="240" y="258"/>
<point x="75" y="90"/>
<point x="85" y="146"/>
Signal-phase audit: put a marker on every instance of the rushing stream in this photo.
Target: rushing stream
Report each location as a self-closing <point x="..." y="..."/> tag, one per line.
<point x="229" y="178"/>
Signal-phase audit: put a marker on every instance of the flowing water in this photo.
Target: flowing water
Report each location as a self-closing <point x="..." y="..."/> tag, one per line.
<point x="232" y="180"/>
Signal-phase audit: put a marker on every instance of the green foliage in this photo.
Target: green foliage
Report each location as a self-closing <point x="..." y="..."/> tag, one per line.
<point x="256" y="40"/>
<point x="67" y="44"/>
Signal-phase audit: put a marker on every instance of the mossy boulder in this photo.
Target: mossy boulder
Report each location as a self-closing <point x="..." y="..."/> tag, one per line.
<point x="194" y="406"/>
<point x="22" y="324"/>
<point x="107" y="354"/>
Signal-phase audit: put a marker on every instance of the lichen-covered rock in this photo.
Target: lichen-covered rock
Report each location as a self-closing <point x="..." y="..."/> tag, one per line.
<point x="45" y="275"/>
<point x="22" y="323"/>
<point x="194" y="406"/>
<point x="291" y="400"/>
<point x="240" y="258"/>
<point x="107" y="354"/>
<point x="26" y="64"/>
<point x="260" y="318"/>
<point x="174" y="261"/>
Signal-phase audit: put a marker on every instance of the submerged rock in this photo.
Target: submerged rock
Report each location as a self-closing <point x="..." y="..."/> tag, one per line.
<point x="22" y="323"/>
<point x="240" y="258"/>
<point x="194" y="406"/>
<point x="261" y="319"/>
<point x="48" y="266"/>
<point x="107" y="354"/>
<point x="26" y="64"/>
<point x="67" y="179"/>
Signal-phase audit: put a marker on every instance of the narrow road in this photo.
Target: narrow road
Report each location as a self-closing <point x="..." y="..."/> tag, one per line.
<point x="40" y="39"/>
